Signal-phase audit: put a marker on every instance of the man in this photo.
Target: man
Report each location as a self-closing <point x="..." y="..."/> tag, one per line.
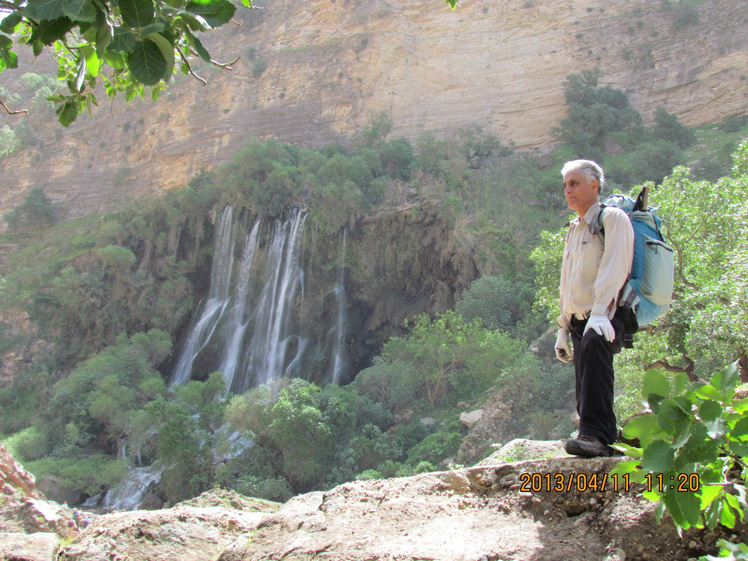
<point x="592" y="275"/>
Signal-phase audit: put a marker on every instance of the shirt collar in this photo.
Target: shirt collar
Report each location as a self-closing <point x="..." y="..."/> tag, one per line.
<point x="590" y="217"/>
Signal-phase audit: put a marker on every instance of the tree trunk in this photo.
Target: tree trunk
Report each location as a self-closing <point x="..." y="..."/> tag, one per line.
<point x="743" y="364"/>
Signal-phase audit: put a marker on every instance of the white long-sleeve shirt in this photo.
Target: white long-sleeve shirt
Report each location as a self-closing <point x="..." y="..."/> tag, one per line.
<point x="592" y="274"/>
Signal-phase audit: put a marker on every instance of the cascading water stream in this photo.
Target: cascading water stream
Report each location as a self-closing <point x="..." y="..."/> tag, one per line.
<point x="253" y="327"/>
<point x="339" y="362"/>
<point x="238" y="320"/>
<point x="218" y="297"/>
<point x="266" y="353"/>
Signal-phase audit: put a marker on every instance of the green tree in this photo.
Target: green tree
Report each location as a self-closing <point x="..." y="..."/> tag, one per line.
<point x="183" y="449"/>
<point x="8" y="141"/>
<point x="36" y="210"/>
<point x="707" y="226"/>
<point x="119" y="260"/>
<point x="668" y="127"/>
<point x="448" y="355"/>
<point x="593" y="112"/>
<point x="185" y="428"/>
<point x="498" y="301"/>
<point x="397" y="157"/>
<point x="103" y="392"/>
<point x="377" y="129"/>
<point x="653" y="161"/>
<point x="140" y="42"/>
<point x="301" y="432"/>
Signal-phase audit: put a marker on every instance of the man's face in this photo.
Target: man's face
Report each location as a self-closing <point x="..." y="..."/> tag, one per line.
<point x="581" y="192"/>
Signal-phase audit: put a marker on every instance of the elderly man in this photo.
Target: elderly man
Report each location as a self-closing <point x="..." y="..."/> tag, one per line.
<point x="592" y="275"/>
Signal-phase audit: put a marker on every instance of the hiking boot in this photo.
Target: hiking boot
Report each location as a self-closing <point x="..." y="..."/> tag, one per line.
<point x="589" y="446"/>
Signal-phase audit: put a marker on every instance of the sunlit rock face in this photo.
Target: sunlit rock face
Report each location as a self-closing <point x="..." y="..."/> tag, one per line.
<point x="312" y="72"/>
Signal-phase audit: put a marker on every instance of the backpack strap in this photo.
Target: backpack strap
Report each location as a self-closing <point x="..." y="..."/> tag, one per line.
<point x="627" y="295"/>
<point x="596" y="225"/>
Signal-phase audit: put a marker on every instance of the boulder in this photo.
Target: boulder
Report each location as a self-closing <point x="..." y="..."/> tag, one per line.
<point x="470" y="418"/>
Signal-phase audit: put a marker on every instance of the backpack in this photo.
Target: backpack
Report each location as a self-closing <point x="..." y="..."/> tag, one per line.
<point x="649" y="288"/>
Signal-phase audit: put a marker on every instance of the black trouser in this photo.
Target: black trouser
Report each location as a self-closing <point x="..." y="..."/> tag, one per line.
<point x="593" y="369"/>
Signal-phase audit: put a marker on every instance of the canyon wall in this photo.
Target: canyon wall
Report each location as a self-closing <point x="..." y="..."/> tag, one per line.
<point x="313" y="71"/>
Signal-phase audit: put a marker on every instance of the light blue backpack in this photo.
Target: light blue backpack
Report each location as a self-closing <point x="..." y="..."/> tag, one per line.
<point x="650" y="286"/>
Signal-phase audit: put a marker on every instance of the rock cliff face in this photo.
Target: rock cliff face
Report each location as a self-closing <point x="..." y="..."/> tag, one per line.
<point x="328" y="64"/>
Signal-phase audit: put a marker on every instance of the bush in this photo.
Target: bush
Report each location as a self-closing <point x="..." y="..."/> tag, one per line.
<point x="370" y="448"/>
<point x="593" y="113"/>
<point x="8" y="141"/>
<point x="684" y="15"/>
<point x="498" y="301"/>
<point x="85" y="476"/>
<point x="397" y="157"/>
<point x="27" y="445"/>
<point x="259" y="67"/>
<point x="393" y="383"/>
<point x="733" y="124"/>
<point x="695" y="435"/>
<point x="667" y="127"/>
<point x="437" y="447"/>
<point x="271" y="489"/>
<point x="654" y="161"/>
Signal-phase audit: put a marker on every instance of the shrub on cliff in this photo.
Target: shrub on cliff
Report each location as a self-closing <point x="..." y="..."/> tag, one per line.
<point x="35" y="211"/>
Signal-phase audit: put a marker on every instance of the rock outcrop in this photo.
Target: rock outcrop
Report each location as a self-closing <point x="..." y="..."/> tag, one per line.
<point x="329" y="64"/>
<point x="496" y="510"/>
<point x="30" y="526"/>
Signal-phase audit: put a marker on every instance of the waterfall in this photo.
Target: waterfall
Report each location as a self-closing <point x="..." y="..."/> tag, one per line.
<point x="218" y="297"/>
<point x="267" y="350"/>
<point x="238" y="320"/>
<point x="254" y="326"/>
<point x="339" y="362"/>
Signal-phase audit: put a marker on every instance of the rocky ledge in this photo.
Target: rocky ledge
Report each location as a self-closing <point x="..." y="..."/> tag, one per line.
<point x="488" y="512"/>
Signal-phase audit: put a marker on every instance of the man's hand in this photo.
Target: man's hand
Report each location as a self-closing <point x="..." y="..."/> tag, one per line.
<point x="563" y="350"/>
<point x="602" y="326"/>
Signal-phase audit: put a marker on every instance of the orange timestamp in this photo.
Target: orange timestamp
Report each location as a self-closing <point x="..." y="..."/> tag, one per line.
<point x="680" y="482"/>
<point x="581" y="482"/>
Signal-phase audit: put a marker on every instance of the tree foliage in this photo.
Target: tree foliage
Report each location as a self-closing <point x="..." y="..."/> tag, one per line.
<point x="35" y="210"/>
<point x="127" y="45"/>
<point x="693" y="454"/>
<point x="593" y="112"/>
<point x="668" y="127"/>
<point x="105" y="391"/>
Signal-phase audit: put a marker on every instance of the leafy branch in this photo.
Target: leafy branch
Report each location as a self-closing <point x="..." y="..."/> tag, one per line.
<point x="695" y="432"/>
<point x="139" y="39"/>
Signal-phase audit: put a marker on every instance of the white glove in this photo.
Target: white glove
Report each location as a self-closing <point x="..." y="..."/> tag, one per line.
<point x="602" y="326"/>
<point x="563" y="350"/>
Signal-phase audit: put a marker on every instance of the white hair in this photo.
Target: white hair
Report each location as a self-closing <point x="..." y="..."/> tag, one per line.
<point x="591" y="170"/>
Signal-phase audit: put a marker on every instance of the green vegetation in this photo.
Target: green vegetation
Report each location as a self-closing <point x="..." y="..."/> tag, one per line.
<point x="107" y="296"/>
<point x="127" y="45"/>
<point x="693" y="448"/>
<point x="35" y="211"/>
<point x="8" y="141"/>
